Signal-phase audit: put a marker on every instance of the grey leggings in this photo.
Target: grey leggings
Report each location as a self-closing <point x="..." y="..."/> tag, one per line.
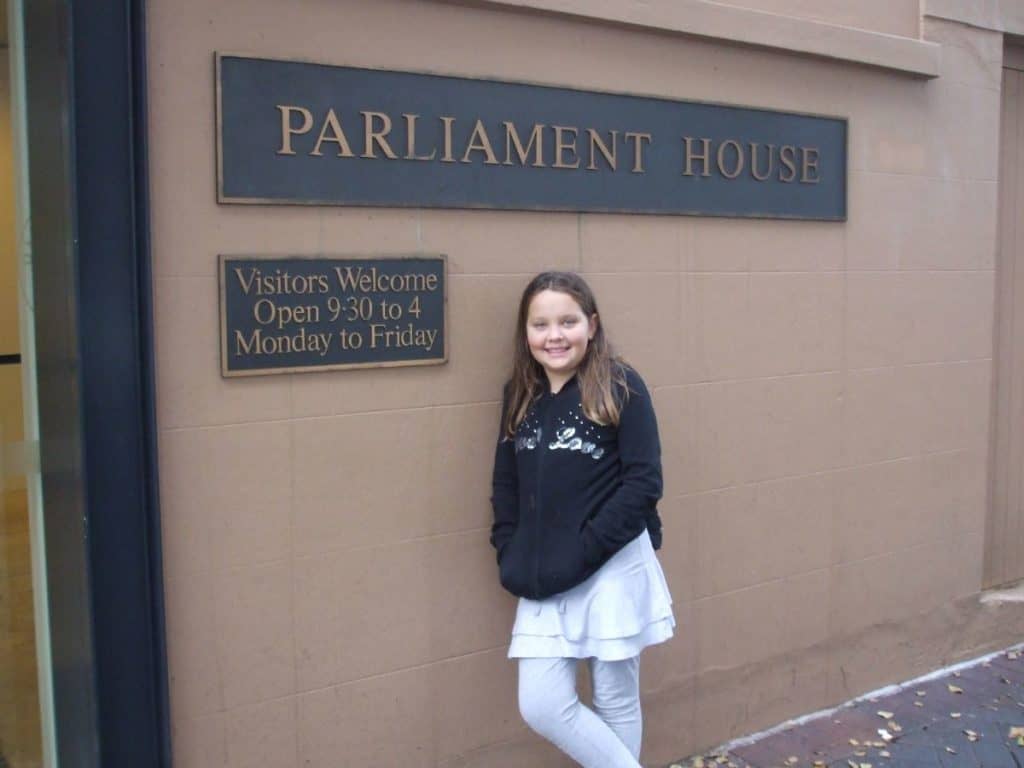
<point x="607" y="736"/>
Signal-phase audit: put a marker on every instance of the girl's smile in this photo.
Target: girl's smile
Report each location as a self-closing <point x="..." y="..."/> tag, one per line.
<point x="558" y="332"/>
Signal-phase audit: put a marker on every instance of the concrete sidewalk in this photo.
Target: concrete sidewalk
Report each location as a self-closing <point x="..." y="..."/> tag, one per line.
<point x="962" y="717"/>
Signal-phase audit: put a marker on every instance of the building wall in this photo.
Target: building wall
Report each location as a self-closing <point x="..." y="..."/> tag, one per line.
<point x="1004" y="555"/>
<point x="902" y="17"/>
<point x="822" y="391"/>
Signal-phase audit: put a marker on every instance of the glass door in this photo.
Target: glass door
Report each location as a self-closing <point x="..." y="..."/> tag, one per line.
<point x="26" y="723"/>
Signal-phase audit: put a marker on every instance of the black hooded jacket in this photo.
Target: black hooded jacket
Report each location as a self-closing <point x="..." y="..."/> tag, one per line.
<point x="569" y="493"/>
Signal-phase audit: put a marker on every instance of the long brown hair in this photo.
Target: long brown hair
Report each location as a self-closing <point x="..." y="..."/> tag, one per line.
<point x="601" y="377"/>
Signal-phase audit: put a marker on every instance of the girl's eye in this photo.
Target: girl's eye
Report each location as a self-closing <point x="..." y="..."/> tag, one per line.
<point x="539" y="326"/>
<point x="569" y="321"/>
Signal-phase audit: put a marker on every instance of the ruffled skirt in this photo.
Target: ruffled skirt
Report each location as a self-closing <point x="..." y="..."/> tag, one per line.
<point x="616" y="613"/>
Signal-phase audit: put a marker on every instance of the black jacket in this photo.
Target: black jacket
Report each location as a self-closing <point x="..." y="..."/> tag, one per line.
<point x="569" y="493"/>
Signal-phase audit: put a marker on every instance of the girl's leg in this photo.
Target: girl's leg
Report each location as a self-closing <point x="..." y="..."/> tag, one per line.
<point x="550" y="706"/>
<point x="617" y="699"/>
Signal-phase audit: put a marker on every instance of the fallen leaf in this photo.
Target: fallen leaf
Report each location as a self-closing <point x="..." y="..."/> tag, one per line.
<point x="956" y="674"/>
<point x="1016" y="731"/>
<point x="884" y="753"/>
<point x="921" y="693"/>
<point x="895" y="727"/>
<point x="1020" y="741"/>
<point x="851" y="764"/>
<point x="883" y="714"/>
<point x="1012" y="655"/>
<point x="971" y="735"/>
<point x="819" y="764"/>
<point x="955" y="689"/>
<point x="861" y="753"/>
<point x="951" y="750"/>
<point x="854" y="743"/>
<point x="792" y="760"/>
<point x="918" y="703"/>
<point x="955" y="715"/>
<point x="986" y="663"/>
<point x="885" y="734"/>
<point x="865" y="765"/>
<point x="698" y="762"/>
<point x="721" y="759"/>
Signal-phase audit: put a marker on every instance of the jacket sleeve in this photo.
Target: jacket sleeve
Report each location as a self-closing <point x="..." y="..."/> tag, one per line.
<point x="504" y="487"/>
<point x="633" y="506"/>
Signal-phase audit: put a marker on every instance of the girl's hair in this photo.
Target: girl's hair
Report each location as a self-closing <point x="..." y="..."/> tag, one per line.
<point x="601" y="376"/>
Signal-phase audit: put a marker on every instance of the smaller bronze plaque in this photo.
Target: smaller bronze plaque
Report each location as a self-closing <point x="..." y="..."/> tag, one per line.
<point x="311" y="313"/>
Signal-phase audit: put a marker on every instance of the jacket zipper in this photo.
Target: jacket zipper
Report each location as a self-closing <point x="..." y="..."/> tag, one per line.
<point x="535" y="502"/>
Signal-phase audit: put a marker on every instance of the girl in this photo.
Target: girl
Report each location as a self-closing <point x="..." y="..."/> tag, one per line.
<point x="577" y="475"/>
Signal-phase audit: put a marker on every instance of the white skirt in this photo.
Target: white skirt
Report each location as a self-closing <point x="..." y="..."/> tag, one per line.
<point x="616" y="613"/>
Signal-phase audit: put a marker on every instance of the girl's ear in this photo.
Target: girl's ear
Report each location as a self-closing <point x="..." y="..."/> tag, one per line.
<point x="593" y="326"/>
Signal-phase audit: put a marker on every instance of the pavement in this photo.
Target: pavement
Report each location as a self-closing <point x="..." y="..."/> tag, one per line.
<point x="963" y="717"/>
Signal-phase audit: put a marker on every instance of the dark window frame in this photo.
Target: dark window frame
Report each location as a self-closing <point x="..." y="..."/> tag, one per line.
<point x="87" y="133"/>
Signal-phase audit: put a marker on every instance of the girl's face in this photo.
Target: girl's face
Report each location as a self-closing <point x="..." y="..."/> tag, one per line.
<point x="557" y="332"/>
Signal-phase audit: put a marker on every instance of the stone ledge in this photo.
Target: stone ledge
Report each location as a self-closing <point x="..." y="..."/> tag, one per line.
<point x="998" y="15"/>
<point x="1013" y="594"/>
<point x="704" y="19"/>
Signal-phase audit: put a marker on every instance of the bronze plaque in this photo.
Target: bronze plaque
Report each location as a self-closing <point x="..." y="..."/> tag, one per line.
<point x="313" y="313"/>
